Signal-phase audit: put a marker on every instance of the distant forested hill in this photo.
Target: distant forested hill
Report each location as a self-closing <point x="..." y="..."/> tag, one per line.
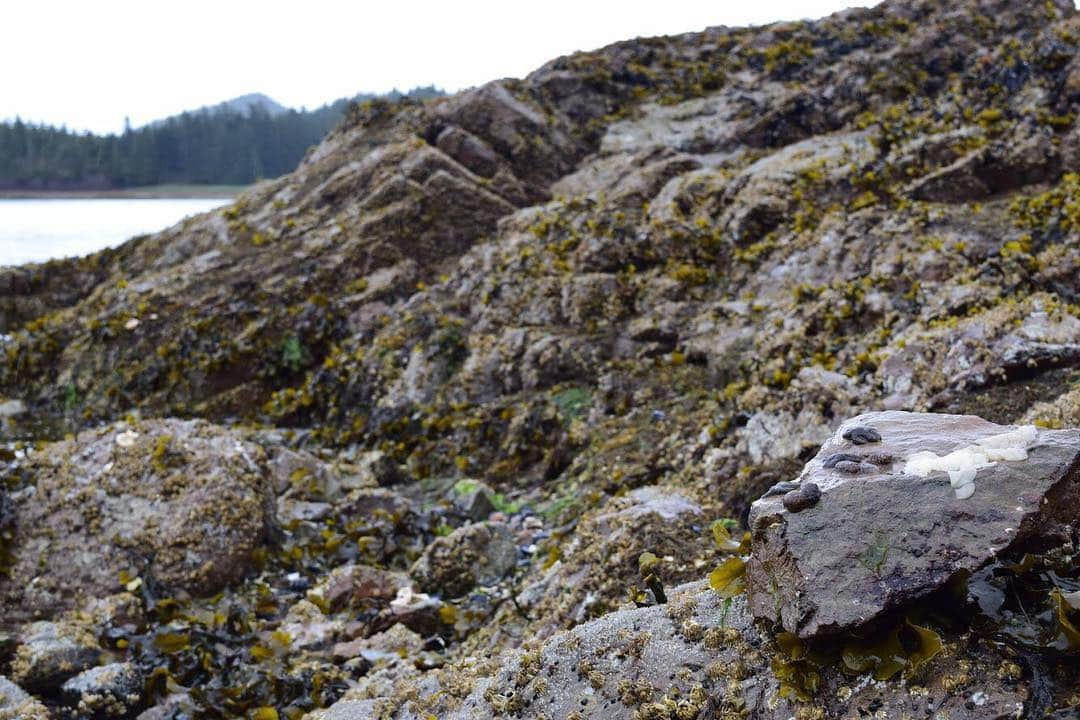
<point x="234" y="143"/>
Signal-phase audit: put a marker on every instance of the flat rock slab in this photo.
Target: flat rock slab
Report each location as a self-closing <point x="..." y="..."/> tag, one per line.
<point x="880" y="537"/>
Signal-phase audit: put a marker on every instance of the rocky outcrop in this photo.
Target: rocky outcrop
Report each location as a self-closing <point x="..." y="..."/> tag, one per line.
<point x="585" y="317"/>
<point x="180" y="504"/>
<point x="596" y="569"/>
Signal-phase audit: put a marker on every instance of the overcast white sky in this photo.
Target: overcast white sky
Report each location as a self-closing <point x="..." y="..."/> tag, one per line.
<point x="87" y="64"/>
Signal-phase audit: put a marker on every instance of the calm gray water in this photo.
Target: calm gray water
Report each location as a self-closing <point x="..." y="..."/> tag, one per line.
<point x="36" y="230"/>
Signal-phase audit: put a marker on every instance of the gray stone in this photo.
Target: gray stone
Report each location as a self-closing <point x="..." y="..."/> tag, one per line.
<point x="51" y="652"/>
<point x="477" y="554"/>
<point x="7" y="511"/>
<point x="108" y="691"/>
<point x="886" y="537"/>
<point x="473" y="499"/>
<point x="173" y="706"/>
<point x="698" y="656"/>
<point x="16" y="704"/>
<point x="11" y="408"/>
<point x="354" y="710"/>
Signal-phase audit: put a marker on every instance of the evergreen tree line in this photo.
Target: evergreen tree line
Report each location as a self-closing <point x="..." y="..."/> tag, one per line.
<point x="206" y="147"/>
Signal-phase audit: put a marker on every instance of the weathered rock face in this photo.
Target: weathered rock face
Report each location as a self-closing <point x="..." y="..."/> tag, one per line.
<point x="107" y="691"/>
<point x="599" y="565"/>
<point x="880" y="537"/>
<point x="183" y="503"/>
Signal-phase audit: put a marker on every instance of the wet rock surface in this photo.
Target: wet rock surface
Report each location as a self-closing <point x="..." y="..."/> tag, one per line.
<point x="51" y="652"/>
<point x="696" y="656"/>
<point x="883" y="538"/>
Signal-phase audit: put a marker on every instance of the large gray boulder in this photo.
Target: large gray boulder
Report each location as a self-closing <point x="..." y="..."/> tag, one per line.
<point x="899" y="517"/>
<point x="183" y="503"/>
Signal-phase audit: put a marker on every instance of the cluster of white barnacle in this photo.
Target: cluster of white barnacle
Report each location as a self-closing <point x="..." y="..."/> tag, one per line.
<point x="962" y="465"/>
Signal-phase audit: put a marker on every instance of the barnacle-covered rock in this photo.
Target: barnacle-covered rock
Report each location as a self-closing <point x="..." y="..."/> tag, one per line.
<point x="182" y="504"/>
<point x="51" y="652"/>
<point x="593" y="570"/>
<point x="939" y="497"/>
<point x="107" y="691"/>
<point x="1060" y="413"/>
<point x="477" y="554"/>
<point x="631" y="291"/>
<point x="16" y="704"/>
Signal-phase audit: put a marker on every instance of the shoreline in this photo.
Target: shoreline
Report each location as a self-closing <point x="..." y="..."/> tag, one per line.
<point x="153" y="192"/>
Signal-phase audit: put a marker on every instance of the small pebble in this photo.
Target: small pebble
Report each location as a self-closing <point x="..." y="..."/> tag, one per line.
<point x="880" y="458"/>
<point x="804" y="498"/>
<point x="832" y="460"/>
<point x="850" y="467"/>
<point x="127" y="438"/>
<point x="781" y="488"/>
<point x="861" y="435"/>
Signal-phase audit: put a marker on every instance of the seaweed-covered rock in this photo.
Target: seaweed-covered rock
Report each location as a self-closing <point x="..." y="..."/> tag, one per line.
<point x="478" y="554"/>
<point x="15" y="704"/>
<point x="181" y="503"/>
<point x="938" y="497"/>
<point x="108" y="691"/>
<point x="51" y="652"/>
